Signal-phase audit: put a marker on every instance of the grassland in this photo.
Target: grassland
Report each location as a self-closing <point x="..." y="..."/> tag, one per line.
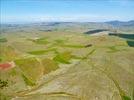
<point x="63" y="65"/>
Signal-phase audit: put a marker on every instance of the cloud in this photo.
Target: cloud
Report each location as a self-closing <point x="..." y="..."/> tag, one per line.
<point x="63" y="18"/>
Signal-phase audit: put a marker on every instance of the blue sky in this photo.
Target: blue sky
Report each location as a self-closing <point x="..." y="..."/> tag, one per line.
<point x="66" y="10"/>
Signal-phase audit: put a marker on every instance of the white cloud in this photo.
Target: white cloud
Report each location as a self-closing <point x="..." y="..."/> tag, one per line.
<point x="65" y="18"/>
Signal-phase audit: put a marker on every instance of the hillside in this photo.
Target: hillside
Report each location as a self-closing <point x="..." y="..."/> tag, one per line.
<point x="60" y="62"/>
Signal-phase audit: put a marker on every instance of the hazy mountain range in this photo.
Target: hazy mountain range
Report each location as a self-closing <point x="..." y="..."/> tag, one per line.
<point x="121" y="23"/>
<point x="81" y="27"/>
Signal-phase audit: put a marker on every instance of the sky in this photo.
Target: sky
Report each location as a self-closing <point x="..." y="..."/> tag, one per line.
<point x="66" y="10"/>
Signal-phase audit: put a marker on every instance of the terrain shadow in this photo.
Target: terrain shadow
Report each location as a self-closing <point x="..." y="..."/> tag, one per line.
<point x="130" y="42"/>
<point x="95" y="31"/>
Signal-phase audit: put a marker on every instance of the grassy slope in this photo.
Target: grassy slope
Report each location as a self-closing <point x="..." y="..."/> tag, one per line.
<point x="103" y="71"/>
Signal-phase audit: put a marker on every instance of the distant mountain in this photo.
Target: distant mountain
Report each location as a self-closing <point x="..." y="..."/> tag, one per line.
<point x="80" y="27"/>
<point x="121" y="23"/>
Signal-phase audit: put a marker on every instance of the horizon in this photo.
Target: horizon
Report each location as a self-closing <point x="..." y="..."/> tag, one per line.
<point x="63" y="22"/>
<point x="32" y="11"/>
